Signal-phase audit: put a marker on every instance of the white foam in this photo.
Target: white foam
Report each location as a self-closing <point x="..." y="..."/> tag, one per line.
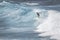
<point x="32" y="4"/>
<point x="51" y="26"/>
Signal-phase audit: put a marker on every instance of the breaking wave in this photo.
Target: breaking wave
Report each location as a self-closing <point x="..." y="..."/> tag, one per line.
<point x="16" y="20"/>
<point x="51" y="25"/>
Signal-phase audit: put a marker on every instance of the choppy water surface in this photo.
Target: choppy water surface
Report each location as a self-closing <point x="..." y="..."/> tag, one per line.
<point x="18" y="21"/>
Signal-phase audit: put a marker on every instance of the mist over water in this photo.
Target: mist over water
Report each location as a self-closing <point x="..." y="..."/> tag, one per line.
<point x="18" y="21"/>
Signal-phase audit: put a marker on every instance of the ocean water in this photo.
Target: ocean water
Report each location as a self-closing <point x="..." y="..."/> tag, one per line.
<point x="19" y="21"/>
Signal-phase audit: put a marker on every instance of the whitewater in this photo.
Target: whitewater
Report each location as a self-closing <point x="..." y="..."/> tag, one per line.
<point x="20" y="22"/>
<point x="51" y="25"/>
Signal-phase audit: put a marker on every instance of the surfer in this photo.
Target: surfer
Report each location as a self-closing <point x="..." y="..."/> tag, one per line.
<point x="38" y="14"/>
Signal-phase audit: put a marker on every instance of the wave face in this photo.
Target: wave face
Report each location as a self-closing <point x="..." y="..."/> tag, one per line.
<point x="19" y="21"/>
<point x="16" y="21"/>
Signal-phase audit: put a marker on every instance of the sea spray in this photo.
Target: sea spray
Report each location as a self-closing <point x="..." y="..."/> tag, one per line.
<point x="51" y="25"/>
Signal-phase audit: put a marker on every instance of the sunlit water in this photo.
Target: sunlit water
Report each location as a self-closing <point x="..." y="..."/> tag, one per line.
<point x="19" y="21"/>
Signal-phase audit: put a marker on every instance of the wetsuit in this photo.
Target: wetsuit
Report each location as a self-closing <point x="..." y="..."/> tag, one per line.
<point x="38" y="14"/>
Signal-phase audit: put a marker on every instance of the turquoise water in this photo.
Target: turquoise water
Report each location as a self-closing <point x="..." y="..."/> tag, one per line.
<point x="17" y="21"/>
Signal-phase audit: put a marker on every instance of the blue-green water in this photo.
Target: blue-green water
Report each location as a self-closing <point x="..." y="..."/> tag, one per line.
<point x="17" y="21"/>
